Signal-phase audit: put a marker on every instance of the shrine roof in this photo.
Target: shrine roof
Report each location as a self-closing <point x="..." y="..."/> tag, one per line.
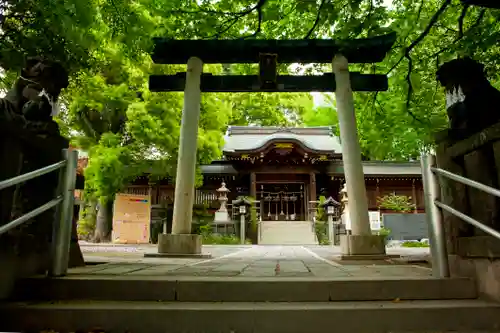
<point x="370" y="169"/>
<point x="382" y="168"/>
<point x="250" y="138"/>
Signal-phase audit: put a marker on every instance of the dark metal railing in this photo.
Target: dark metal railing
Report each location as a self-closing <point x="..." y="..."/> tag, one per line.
<point x="434" y="207"/>
<point x="63" y="202"/>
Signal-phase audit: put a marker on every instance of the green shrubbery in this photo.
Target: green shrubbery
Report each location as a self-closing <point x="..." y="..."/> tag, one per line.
<point x="85" y="227"/>
<point x="210" y="238"/>
<point x="321" y="229"/>
<point x="321" y="225"/>
<point x="415" y="244"/>
<point x="384" y="232"/>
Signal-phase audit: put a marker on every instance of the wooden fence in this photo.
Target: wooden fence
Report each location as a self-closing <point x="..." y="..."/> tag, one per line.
<point x="165" y="194"/>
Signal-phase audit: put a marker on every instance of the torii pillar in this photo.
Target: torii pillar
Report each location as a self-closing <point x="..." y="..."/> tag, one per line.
<point x="181" y="242"/>
<point x="361" y="242"/>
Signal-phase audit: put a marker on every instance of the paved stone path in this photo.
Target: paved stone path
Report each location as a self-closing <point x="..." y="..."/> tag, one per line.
<point x="241" y="261"/>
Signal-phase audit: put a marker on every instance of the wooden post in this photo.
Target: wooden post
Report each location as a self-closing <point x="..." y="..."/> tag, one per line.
<point x="312" y="186"/>
<point x="414" y="194"/>
<point x="253" y="185"/>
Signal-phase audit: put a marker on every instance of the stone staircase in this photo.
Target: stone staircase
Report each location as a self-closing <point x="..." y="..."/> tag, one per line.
<point x="264" y="305"/>
<point x="287" y="233"/>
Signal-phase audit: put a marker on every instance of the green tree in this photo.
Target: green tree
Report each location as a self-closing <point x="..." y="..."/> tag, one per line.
<point x="106" y="46"/>
<point x="397" y="203"/>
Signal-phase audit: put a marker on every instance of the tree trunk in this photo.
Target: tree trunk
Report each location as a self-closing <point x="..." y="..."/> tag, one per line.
<point x="104" y="222"/>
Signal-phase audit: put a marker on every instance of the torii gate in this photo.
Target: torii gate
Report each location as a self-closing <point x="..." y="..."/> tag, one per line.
<point x="266" y="53"/>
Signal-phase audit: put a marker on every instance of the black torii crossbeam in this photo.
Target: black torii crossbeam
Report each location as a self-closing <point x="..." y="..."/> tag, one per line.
<point x="240" y="51"/>
<point x="267" y="53"/>
<point x="284" y="83"/>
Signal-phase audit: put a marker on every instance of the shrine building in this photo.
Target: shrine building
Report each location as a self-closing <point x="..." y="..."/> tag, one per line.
<point x="285" y="169"/>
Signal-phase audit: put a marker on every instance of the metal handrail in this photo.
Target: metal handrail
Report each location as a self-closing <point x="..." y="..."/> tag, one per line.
<point x="64" y="203"/>
<point x="433" y="206"/>
<point x="31" y="175"/>
<point x="468" y="219"/>
<point x="34" y="213"/>
<point x="467" y="181"/>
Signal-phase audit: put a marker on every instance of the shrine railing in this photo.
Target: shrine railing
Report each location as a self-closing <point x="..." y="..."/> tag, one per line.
<point x="64" y="202"/>
<point x="435" y="208"/>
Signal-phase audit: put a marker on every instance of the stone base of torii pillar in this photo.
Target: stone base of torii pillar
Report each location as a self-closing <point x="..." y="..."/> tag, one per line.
<point x="359" y="247"/>
<point x="360" y="243"/>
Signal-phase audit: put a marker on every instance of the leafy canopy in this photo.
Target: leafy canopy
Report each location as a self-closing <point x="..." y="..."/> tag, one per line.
<point x="129" y="130"/>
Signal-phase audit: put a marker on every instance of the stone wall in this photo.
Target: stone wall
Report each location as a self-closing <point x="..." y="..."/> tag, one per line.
<point x="471" y="251"/>
<point x="406" y="226"/>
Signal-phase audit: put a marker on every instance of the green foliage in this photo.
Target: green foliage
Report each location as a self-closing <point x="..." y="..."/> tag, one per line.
<point x="223" y="239"/>
<point x="109" y="168"/>
<point x="210" y="238"/>
<point x="415" y="244"/>
<point x="201" y="215"/>
<point x="87" y="222"/>
<point x="321" y="227"/>
<point x="253" y="216"/>
<point x="397" y="203"/>
<point x="320" y="211"/>
<point x="129" y="130"/>
<point x="384" y="232"/>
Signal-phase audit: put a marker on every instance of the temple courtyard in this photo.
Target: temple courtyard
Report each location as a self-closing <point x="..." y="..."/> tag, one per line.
<point x="251" y="261"/>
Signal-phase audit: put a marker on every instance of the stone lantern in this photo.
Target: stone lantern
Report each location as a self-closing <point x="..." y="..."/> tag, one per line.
<point x="330" y="207"/>
<point x="221" y="215"/>
<point x="345" y="208"/>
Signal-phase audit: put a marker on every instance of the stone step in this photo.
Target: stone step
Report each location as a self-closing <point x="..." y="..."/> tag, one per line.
<point x="288" y="241"/>
<point x="290" y="224"/>
<point x="240" y="289"/>
<point x="287" y="233"/>
<point x="176" y="317"/>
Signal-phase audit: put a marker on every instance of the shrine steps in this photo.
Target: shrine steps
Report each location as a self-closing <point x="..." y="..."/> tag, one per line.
<point x="261" y="305"/>
<point x="287" y="233"/>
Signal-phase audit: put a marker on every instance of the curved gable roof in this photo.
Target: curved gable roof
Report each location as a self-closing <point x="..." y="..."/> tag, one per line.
<point x="247" y="138"/>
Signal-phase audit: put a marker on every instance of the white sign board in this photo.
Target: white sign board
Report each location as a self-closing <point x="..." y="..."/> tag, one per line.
<point x="330" y="210"/>
<point x="374" y="217"/>
<point x="242" y="209"/>
<point x="131" y="218"/>
<point x="375" y="224"/>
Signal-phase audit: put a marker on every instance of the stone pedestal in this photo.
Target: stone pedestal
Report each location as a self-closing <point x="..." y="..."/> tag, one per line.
<point x="362" y="247"/>
<point x="179" y="245"/>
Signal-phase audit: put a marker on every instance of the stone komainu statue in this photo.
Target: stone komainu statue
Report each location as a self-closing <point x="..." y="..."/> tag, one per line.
<point x="472" y="103"/>
<point x="29" y="140"/>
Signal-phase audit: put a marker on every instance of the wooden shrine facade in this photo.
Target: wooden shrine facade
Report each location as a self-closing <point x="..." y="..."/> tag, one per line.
<point x="286" y="168"/>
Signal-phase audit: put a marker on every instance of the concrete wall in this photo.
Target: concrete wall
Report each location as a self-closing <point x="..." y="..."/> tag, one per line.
<point x="405" y="226"/>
